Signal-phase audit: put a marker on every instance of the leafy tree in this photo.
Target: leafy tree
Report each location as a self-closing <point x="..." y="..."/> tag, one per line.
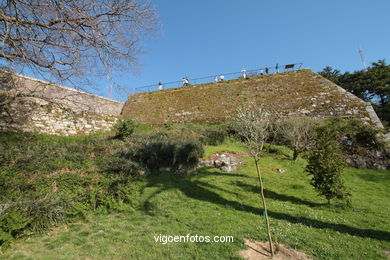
<point x="331" y="74"/>
<point x="326" y="165"/>
<point x="72" y="39"/>
<point x="372" y="84"/>
<point x="378" y="77"/>
<point x="252" y="123"/>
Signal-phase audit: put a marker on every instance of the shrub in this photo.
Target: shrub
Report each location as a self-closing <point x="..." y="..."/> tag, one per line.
<point x="162" y="151"/>
<point x="34" y="214"/>
<point x="120" y="165"/>
<point x="359" y="133"/>
<point x="213" y="137"/>
<point x="363" y="134"/>
<point x="45" y="180"/>
<point x="298" y="133"/>
<point x="326" y="165"/>
<point x="125" y="128"/>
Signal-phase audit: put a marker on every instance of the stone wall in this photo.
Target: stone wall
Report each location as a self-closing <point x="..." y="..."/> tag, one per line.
<point x="76" y="100"/>
<point x="301" y="92"/>
<point x="31" y="105"/>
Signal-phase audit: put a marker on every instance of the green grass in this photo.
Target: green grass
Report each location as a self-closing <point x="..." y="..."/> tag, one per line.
<point x="228" y="145"/>
<point x="210" y="202"/>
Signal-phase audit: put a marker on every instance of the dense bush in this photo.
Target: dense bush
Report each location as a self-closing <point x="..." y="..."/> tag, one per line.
<point x="45" y="180"/>
<point x="213" y="137"/>
<point x="35" y="214"/>
<point x="359" y="133"/>
<point x="162" y="151"/>
<point x="352" y="135"/>
<point x="125" y="128"/>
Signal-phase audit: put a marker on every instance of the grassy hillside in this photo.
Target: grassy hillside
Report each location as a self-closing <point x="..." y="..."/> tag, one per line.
<point x="214" y="203"/>
<point x="299" y="92"/>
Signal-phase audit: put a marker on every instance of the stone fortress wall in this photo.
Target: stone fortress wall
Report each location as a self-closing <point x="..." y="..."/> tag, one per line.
<point x="32" y="105"/>
<point x="293" y="93"/>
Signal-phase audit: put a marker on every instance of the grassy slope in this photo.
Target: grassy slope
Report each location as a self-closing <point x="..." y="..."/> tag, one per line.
<point x="287" y="92"/>
<point x="215" y="203"/>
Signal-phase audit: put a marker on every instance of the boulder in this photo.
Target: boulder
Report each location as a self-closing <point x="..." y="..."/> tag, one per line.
<point x="225" y="161"/>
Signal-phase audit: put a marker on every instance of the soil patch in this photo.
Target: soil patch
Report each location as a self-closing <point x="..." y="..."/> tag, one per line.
<point x="260" y="250"/>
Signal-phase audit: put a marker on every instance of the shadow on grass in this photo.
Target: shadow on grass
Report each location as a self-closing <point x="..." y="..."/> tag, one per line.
<point x="208" y="170"/>
<point x="196" y="189"/>
<point x="277" y="196"/>
<point x="379" y="176"/>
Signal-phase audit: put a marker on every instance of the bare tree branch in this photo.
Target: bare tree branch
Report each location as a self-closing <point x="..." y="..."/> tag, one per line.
<point x="67" y="39"/>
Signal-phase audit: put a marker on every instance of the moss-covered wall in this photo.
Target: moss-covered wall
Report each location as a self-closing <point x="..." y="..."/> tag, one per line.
<point x="301" y="92"/>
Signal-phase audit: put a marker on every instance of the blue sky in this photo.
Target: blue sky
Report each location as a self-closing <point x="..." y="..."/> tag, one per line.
<point x="207" y="37"/>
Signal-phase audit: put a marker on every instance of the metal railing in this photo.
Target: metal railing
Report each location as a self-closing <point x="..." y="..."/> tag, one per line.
<point x="217" y="78"/>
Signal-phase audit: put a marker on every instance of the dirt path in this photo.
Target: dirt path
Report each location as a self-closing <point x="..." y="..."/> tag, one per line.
<point x="260" y="250"/>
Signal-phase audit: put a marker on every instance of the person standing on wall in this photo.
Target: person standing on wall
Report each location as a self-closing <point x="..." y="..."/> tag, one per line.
<point x="185" y="81"/>
<point x="277" y="68"/>
<point x="243" y="71"/>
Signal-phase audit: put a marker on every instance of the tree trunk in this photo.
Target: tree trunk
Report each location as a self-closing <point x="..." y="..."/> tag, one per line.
<point x="295" y="156"/>
<point x="264" y="205"/>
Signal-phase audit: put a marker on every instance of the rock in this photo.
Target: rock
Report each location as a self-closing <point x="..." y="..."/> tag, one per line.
<point x="387" y="137"/>
<point x="378" y="166"/>
<point x="181" y="170"/>
<point x="278" y="170"/>
<point x="360" y="162"/>
<point x="304" y="111"/>
<point x="369" y="161"/>
<point x="164" y="169"/>
<point x="225" y="161"/>
<point x="203" y="163"/>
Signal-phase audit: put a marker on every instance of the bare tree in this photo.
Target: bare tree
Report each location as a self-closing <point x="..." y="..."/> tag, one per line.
<point x="73" y="39"/>
<point x="252" y="123"/>
<point x="298" y="134"/>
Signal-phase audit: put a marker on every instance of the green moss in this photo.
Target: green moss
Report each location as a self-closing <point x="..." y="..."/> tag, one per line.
<point x="212" y="102"/>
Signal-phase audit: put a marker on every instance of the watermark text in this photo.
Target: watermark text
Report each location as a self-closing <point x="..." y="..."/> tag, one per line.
<point x="165" y="239"/>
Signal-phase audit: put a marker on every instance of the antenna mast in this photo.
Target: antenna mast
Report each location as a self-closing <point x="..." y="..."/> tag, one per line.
<point x="362" y="57"/>
<point x="109" y="86"/>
